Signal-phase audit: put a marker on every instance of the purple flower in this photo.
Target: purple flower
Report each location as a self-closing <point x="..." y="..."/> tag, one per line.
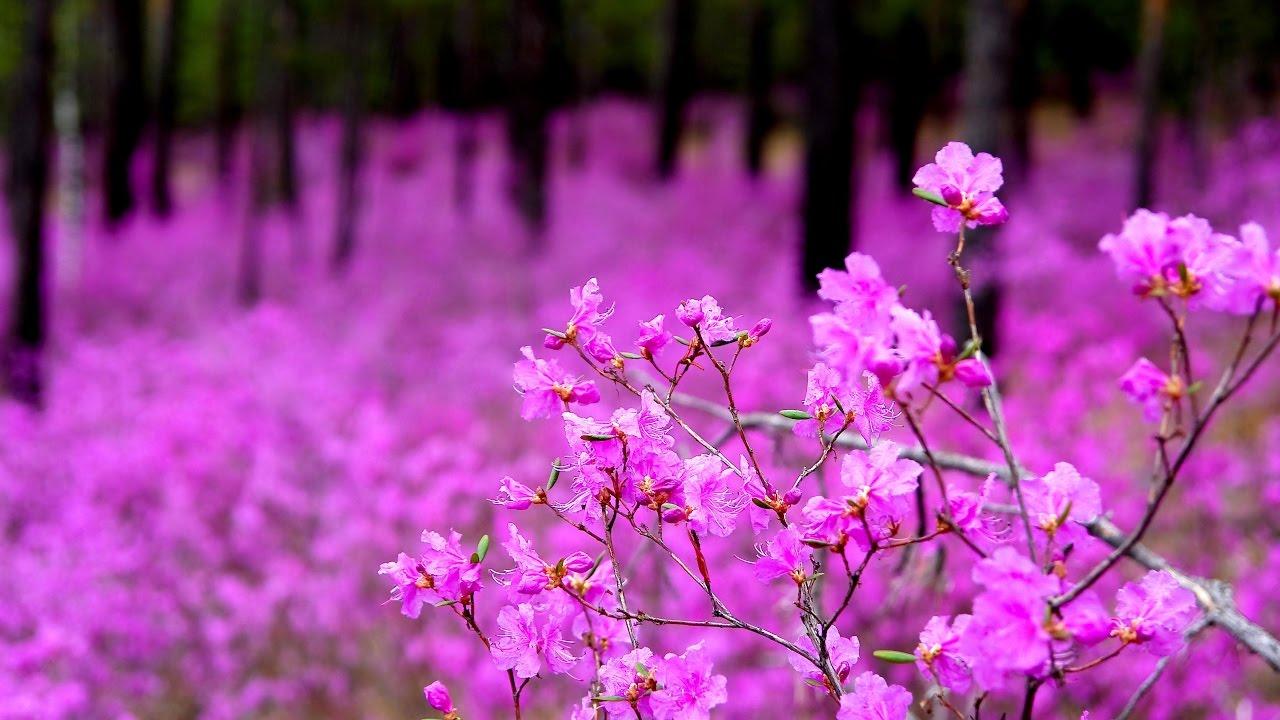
<point x="629" y="677"/>
<point x="707" y="315"/>
<point x="967" y="183"/>
<point x="600" y="347"/>
<point x="973" y="373"/>
<point x="515" y="495"/>
<point x="881" y="480"/>
<point x="938" y="654"/>
<point x="1008" y="633"/>
<point x="547" y="389"/>
<point x="688" y="689"/>
<point x="1258" y="270"/>
<point x="532" y="574"/>
<point x="874" y="699"/>
<point x="438" y="698"/>
<point x="1151" y="388"/>
<point x="1154" y="613"/>
<point x="920" y="345"/>
<point x="842" y="652"/>
<point x="587" y="316"/>
<point x="757" y="331"/>
<point x="653" y="337"/>
<point x="524" y="643"/>
<point x="1182" y="258"/>
<point x="859" y="289"/>
<point x="822" y="401"/>
<point x="968" y="514"/>
<point x="1061" y="495"/>
<point x="712" y="501"/>
<point x="785" y="555"/>
<point x="443" y="571"/>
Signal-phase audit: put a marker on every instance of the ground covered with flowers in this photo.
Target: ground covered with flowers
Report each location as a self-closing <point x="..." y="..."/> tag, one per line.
<point x="197" y="521"/>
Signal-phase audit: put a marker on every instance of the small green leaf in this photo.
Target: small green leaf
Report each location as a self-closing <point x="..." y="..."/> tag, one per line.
<point x="761" y="504"/>
<point x="482" y="548"/>
<point x="932" y="197"/>
<point x="631" y="355"/>
<point x="554" y="477"/>
<point x="1184" y="274"/>
<point x="682" y="341"/>
<point x="722" y="343"/>
<point x="795" y="414"/>
<point x="970" y="347"/>
<point x="608" y="698"/>
<point x="591" y="437"/>
<point x="1194" y="387"/>
<point x="894" y="656"/>
<point x="555" y="333"/>
<point x="641" y="670"/>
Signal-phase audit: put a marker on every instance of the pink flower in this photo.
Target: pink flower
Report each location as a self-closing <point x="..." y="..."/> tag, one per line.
<point x="1060" y="496"/>
<point x="785" y="555"/>
<point x="968" y="514"/>
<point x="708" y="317"/>
<point x="938" y="654"/>
<point x="1151" y="388"/>
<point x="822" y="401"/>
<point x="600" y="347"/>
<point x="1154" y="613"/>
<point x="524" y="643"/>
<point x="443" y="571"/>
<point x="842" y="652"/>
<point x="1181" y="258"/>
<point x="629" y="677"/>
<point x="859" y="289"/>
<point x="881" y="484"/>
<point x="1008" y="634"/>
<point x="547" y="389"/>
<point x="757" y="331"/>
<point x="973" y="373"/>
<point x="712" y="501"/>
<point x="587" y="315"/>
<point x="967" y="183"/>
<point x="874" y="699"/>
<point x="688" y="689"/>
<point x="532" y="574"/>
<point x="515" y="495"/>
<point x="1258" y="270"/>
<point x="653" y="337"/>
<point x="438" y="698"/>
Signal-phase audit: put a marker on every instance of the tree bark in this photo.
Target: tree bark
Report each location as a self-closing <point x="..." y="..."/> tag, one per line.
<point x="288" y="33"/>
<point x="125" y="114"/>
<point x="349" y="160"/>
<point x="678" y="68"/>
<point x="166" y="108"/>
<point x="229" y="109"/>
<point x="829" y="185"/>
<point x="537" y="27"/>
<point x="29" y="139"/>
<point x="910" y="73"/>
<point x="1150" y="60"/>
<point x="760" y="114"/>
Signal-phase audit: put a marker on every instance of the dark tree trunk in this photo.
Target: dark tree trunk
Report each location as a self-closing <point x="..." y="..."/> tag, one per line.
<point x="349" y="159"/>
<point x="288" y="23"/>
<point x="229" y="109"/>
<point x="29" y="138"/>
<point x="988" y="60"/>
<point x="1077" y="57"/>
<point x="909" y="79"/>
<point x="166" y="108"/>
<point x="125" y="114"/>
<point x="249" y="276"/>
<point x="829" y="149"/>
<point x="1024" y="86"/>
<point x="458" y="85"/>
<point x="760" y="116"/>
<point x="1150" y="60"/>
<point x="678" y="69"/>
<point x="537" y="27"/>
<point x="406" y="86"/>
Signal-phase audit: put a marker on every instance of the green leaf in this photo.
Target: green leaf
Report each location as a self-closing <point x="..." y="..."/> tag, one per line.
<point x="631" y="355"/>
<point x="932" y="197"/>
<point x="556" y="333"/>
<point x="608" y="698"/>
<point x="795" y="414"/>
<point x="555" y="474"/>
<point x="894" y="656"/>
<point x="722" y="343"/>
<point x="970" y="347"/>
<point x="597" y="438"/>
<point x="482" y="548"/>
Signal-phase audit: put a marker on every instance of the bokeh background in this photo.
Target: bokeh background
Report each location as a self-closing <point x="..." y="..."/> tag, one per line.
<point x="268" y="263"/>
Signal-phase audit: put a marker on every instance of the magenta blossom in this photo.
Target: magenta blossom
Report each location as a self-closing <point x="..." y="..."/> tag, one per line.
<point x="515" y="495"/>
<point x="967" y="184"/>
<point x="1258" y="270"/>
<point x="706" y="315"/>
<point x="712" y="500"/>
<point x="841" y="651"/>
<point x="587" y="316"/>
<point x="438" y="698"/>
<point x="1151" y="388"/>
<point x="938" y="654"/>
<point x="547" y="389"/>
<point x="1154" y="613"/>
<point x="785" y="555"/>
<point x="444" y="571"/>
<point x="529" y="638"/>
<point x="629" y="677"/>
<point x="653" y="337"/>
<point x="1182" y="258"/>
<point x="1060" y="498"/>
<point x="1008" y="634"/>
<point x="688" y="690"/>
<point x="532" y="574"/>
<point x="874" y="699"/>
<point x="822" y="401"/>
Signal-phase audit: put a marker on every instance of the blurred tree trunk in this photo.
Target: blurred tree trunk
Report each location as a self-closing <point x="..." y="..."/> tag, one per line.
<point x="829" y="185"/>
<point x="1077" y="57"/>
<point x="288" y="23"/>
<point x="1150" y="60"/>
<point x="228" y="95"/>
<point x="126" y="107"/>
<point x="911" y="84"/>
<point x="676" y="85"/>
<point x="458" y="86"/>
<point x="1024" y="86"/>
<point x="406" y="85"/>
<point x="166" y="108"/>
<point x="988" y="64"/>
<point x="537" y="27"/>
<point x="350" y="154"/>
<point x="760" y="115"/>
<point x="249" y="275"/>
<point x="29" y="139"/>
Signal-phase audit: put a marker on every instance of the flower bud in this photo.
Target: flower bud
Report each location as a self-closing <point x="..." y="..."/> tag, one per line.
<point x="438" y="697"/>
<point x="951" y="194"/>
<point x="690" y="312"/>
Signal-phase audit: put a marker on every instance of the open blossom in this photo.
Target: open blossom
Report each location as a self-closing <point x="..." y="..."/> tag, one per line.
<point x="601" y="348"/>
<point x="967" y="183"/>
<point x="532" y="574"/>
<point x="972" y="519"/>
<point x="587" y="316"/>
<point x="785" y="555"/>
<point x="938" y="654"/>
<point x="527" y="639"/>
<point x="546" y="387"/>
<point x="438" y="698"/>
<point x="1258" y="270"/>
<point x="629" y="677"/>
<point x="1181" y="257"/>
<point x="653" y="336"/>
<point x="822" y="401"/>
<point x="843" y="653"/>
<point x="880" y="485"/>
<point x="515" y="495"/>
<point x="708" y="317"/>
<point x="443" y="571"/>
<point x="874" y="699"/>
<point x="1008" y="633"/>
<point x="929" y="355"/>
<point x="1154" y="613"/>
<point x="688" y="689"/>
<point x="1151" y="388"/>
<point x="1059" y="498"/>
<point x="712" y="500"/>
<point x="859" y="288"/>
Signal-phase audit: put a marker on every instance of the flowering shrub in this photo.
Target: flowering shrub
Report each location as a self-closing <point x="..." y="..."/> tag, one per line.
<point x="654" y="511"/>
